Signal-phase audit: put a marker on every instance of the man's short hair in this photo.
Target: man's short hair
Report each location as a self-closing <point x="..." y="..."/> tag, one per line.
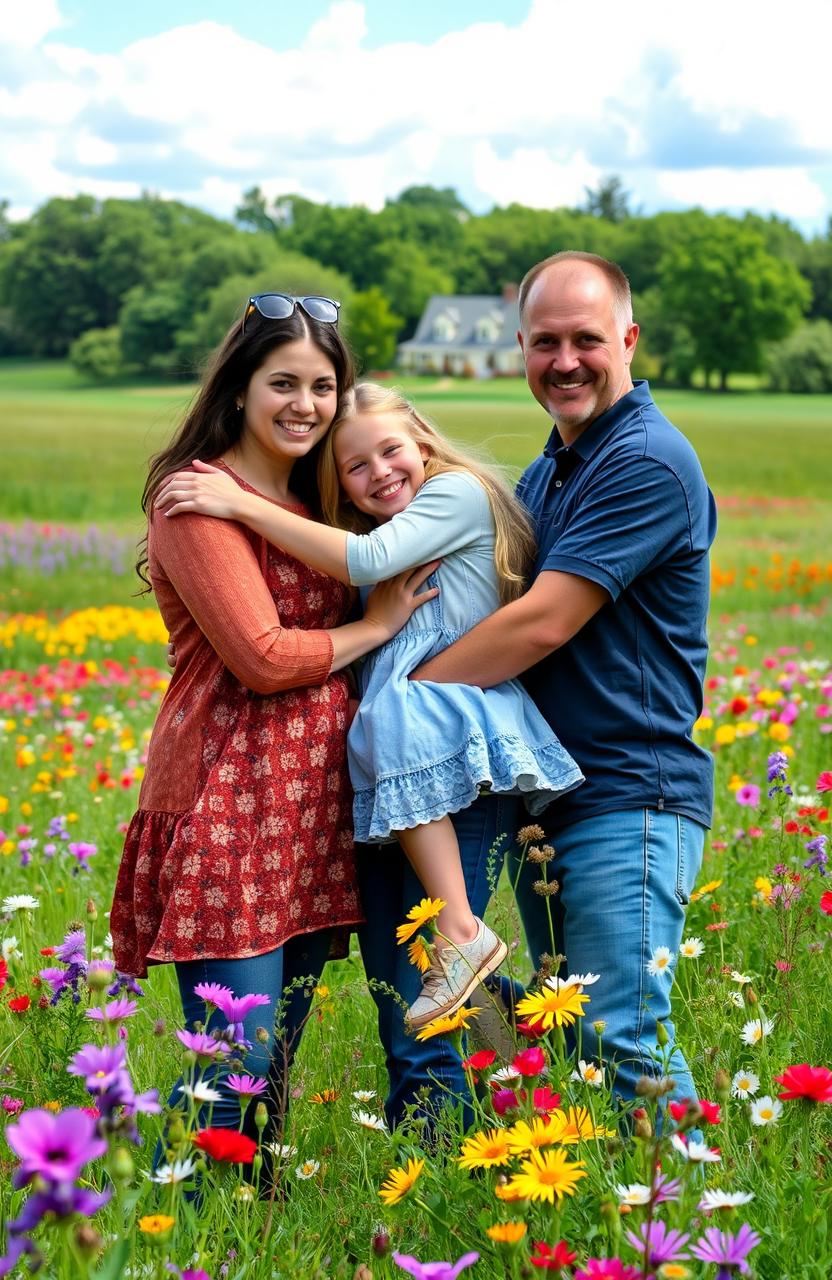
<point x="621" y="297"/>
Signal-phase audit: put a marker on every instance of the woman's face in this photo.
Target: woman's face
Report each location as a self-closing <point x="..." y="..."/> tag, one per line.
<point x="290" y="401"/>
<point x="380" y="466"/>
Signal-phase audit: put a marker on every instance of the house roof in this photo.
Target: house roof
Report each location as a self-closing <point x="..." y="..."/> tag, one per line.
<point x="465" y="311"/>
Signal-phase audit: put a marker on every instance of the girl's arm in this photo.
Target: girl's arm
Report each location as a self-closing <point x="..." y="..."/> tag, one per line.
<point x="208" y="491"/>
<point x="449" y="512"/>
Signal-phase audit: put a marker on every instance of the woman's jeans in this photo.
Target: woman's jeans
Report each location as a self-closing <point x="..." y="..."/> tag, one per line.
<point x="625" y="879"/>
<point x="426" y="1073"/>
<point x="271" y="1054"/>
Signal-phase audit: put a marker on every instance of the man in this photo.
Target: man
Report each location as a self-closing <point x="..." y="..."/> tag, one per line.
<point x="611" y="642"/>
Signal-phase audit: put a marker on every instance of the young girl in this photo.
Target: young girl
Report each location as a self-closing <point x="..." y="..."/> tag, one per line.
<point x="399" y="495"/>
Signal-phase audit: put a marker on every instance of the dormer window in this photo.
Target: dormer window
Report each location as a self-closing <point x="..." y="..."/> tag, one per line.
<point x="487" y="329"/>
<point x="445" y="327"/>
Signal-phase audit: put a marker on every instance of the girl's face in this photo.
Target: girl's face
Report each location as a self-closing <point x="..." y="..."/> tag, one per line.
<point x="380" y="466"/>
<point x="290" y="401"/>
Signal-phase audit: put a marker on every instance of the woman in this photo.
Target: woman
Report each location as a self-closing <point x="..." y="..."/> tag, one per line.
<point x="239" y="862"/>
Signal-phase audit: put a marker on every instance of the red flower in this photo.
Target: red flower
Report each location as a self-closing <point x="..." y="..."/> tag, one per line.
<point x="227" y="1145"/>
<point x="552" y="1257"/>
<point x="20" y="1004"/>
<point x="803" y="1081"/>
<point x="826" y="902"/>
<point x="710" y="1111"/>
<point x="530" y="1062"/>
<point x="678" y="1109"/>
<point x="479" y="1061"/>
<point x="531" y="1033"/>
<point x="545" y="1100"/>
<point x="824" y="782"/>
<point x="503" y="1100"/>
<point x="739" y="706"/>
<point x="791" y="828"/>
<point x="4" y="973"/>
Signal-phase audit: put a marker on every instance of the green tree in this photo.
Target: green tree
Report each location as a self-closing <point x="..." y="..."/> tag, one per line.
<point x="665" y="339"/>
<point x="816" y="265"/>
<point x="609" y="200"/>
<point x="408" y="279"/>
<point x="733" y="295"/>
<point x="97" y="354"/>
<point x="149" y="321"/>
<point x="803" y="361"/>
<point x="371" y="329"/>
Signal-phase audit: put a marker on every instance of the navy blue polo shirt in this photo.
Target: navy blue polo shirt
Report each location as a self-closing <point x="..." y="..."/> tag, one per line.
<point x="627" y="506"/>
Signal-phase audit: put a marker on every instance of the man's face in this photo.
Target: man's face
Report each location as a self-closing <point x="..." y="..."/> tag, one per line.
<point x="577" y="351"/>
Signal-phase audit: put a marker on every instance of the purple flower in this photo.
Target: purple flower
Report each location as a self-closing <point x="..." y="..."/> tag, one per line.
<point x="83" y="851"/>
<point x="62" y="1201"/>
<point x="819" y="858"/>
<point x="434" y="1270"/>
<point x="115" y="1011"/>
<point x="73" y="949"/>
<point x="658" y="1242"/>
<point x="665" y="1188"/>
<point x="189" y="1273"/>
<point x="204" y="1046"/>
<point x="236" y="1008"/>
<point x="209" y="991"/>
<point x="728" y="1251"/>
<point x="778" y="766"/>
<point x="100" y="1065"/>
<point x="57" y="979"/>
<point x="57" y="827"/>
<point x="247" y="1086"/>
<point x="608" y="1269"/>
<point x="124" y="982"/>
<point x="56" y="1147"/>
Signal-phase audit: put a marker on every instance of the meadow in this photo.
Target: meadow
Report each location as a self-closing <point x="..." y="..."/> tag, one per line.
<point x="546" y="1180"/>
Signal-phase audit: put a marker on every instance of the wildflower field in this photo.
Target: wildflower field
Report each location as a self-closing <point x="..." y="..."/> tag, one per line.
<point x="548" y="1178"/>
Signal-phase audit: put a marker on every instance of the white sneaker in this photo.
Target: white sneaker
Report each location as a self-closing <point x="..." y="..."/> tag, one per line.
<point x="456" y="970"/>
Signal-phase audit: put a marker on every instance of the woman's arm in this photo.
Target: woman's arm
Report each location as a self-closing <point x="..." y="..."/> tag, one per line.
<point x="212" y="567"/>
<point x="208" y="491"/>
<point x="449" y="511"/>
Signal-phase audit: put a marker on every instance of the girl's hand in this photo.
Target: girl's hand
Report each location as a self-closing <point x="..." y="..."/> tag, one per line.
<point x="390" y="604"/>
<point x="206" y="491"/>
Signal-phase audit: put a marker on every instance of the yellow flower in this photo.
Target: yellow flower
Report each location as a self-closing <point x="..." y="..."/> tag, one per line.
<point x="399" y="1181"/>
<point x="546" y="1175"/>
<point x="155" y="1224"/>
<point x="418" y="954"/>
<point x="547" y="1007"/>
<point x="523" y="1137"/>
<point x="576" y="1125"/>
<point x="485" y="1150"/>
<point x="710" y="887"/>
<point x="764" y="886"/>
<point x="51" y="1106"/>
<point x="704" y="722"/>
<point x="736" y="782"/>
<point x="507" y="1193"/>
<point x="325" y="1096"/>
<point x="446" y="1026"/>
<point x="425" y="911"/>
<point x="779" y="732"/>
<point x="747" y="728"/>
<point x="725" y="734"/>
<point x="506" y="1232"/>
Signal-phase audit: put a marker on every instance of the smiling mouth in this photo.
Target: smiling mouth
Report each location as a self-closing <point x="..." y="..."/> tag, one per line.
<point x="389" y="490"/>
<point x="569" y="386"/>
<point x="296" y="428"/>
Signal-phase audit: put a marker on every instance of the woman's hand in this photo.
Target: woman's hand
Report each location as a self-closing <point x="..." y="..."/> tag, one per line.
<point x="206" y="491"/>
<point x="390" y="604"/>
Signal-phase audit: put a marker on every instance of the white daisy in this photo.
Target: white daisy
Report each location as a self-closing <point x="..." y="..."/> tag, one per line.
<point x="200" y="1092"/>
<point x="635" y="1193"/>
<point x="756" y="1030"/>
<point x="744" y="1084"/>
<point x="692" y="948"/>
<point x="713" y="1199"/>
<point x="696" y="1152"/>
<point x="588" y="1073"/>
<point x="504" y="1077"/>
<point x="660" y="961"/>
<point x="364" y="1095"/>
<point x="736" y="998"/>
<point x="765" y="1110"/>
<point x="578" y="980"/>
<point x="741" y="978"/>
<point x="10" y="948"/>
<point x="283" y="1151"/>
<point x="168" y="1174"/>
<point x="308" y="1169"/>
<point x="368" y="1121"/>
<point x="20" y="902"/>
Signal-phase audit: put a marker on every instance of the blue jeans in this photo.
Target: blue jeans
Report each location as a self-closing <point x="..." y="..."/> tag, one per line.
<point x="267" y="974"/>
<point x="430" y="1069"/>
<point x="625" y="879"/>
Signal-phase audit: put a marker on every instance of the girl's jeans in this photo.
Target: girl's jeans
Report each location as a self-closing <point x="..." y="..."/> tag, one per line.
<point x="269" y="975"/>
<point x="425" y="1073"/>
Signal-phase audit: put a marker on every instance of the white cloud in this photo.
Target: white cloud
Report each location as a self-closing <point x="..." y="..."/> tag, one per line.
<point x="695" y="106"/>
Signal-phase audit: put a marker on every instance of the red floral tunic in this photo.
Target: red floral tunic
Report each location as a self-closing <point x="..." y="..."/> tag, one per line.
<point x="243" y="838"/>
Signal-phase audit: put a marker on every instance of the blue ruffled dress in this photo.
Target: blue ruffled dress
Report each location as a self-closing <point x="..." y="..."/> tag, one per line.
<point x="419" y="750"/>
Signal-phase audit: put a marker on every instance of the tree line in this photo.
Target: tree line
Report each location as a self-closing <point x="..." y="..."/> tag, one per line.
<point x="149" y="286"/>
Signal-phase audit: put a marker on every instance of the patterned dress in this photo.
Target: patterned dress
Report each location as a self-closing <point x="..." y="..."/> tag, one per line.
<point x="243" y="838"/>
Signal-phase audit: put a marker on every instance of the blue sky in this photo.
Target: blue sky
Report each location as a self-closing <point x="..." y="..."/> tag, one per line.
<point x="725" y="104"/>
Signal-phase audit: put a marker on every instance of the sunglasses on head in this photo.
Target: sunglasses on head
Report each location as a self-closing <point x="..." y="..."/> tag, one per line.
<point x="279" y="306"/>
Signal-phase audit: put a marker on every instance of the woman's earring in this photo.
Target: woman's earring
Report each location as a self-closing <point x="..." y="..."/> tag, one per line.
<point x="239" y="408"/>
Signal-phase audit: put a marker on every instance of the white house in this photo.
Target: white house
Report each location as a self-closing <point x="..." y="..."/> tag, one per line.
<point x="473" y="337"/>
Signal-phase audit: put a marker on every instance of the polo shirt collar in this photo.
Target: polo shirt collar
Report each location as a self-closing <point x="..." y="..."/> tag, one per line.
<point x="590" y="441"/>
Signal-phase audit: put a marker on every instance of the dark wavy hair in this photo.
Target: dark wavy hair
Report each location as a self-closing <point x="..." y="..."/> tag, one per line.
<point x="213" y="423"/>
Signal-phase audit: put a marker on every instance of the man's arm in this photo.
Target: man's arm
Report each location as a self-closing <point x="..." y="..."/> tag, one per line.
<point x="520" y="634"/>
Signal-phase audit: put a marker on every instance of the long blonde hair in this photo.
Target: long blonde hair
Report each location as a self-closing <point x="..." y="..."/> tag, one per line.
<point x="514" y="543"/>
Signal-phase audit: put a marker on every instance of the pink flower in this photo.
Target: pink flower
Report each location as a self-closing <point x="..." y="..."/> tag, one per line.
<point x="749" y="795"/>
<point x="530" y="1062"/>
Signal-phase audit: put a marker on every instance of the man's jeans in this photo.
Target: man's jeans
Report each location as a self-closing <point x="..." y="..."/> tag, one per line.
<point x="625" y="879"/>
<point x="389" y="888"/>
